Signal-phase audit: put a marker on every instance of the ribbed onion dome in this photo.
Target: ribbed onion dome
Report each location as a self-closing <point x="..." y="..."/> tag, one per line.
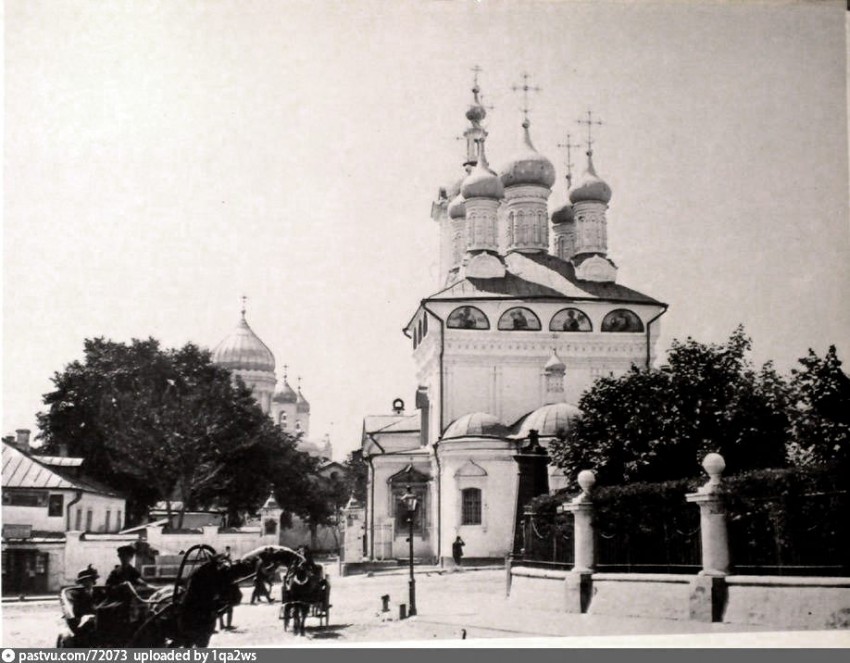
<point x="243" y="350"/>
<point x="476" y="424"/>
<point x="302" y="404"/>
<point x="591" y="186"/>
<point x="457" y="208"/>
<point x="550" y="420"/>
<point x="528" y="166"/>
<point x="482" y="182"/>
<point x="563" y="214"/>
<point x="285" y="394"/>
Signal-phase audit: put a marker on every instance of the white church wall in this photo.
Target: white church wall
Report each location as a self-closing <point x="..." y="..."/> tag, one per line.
<point x="494" y="536"/>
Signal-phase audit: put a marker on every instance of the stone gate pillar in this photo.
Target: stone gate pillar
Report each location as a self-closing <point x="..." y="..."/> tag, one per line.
<point x="578" y="587"/>
<point x="708" y="590"/>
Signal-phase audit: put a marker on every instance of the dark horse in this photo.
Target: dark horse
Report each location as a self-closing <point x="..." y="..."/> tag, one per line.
<point x="304" y="587"/>
<point x="185" y="615"/>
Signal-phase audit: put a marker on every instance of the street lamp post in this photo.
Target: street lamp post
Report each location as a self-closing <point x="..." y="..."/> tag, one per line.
<point x="411" y="503"/>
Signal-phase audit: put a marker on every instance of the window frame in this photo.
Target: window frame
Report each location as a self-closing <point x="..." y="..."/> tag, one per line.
<point x="477" y="505"/>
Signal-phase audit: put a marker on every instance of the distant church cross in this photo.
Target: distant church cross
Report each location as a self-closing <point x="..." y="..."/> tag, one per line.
<point x="590" y="122"/>
<point x="475" y="71"/>
<point x="285" y="371"/>
<point x="569" y="145"/>
<point x="525" y="88"/>
<point x="244" y="299"/>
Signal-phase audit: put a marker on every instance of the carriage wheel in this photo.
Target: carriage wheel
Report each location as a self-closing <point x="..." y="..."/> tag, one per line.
<point x="195" y="556"/>
<point x="147" y="626"/>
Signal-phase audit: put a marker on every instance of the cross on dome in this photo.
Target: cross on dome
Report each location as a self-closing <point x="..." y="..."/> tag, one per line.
<point x="244" y="300"/>
<point x="569" y="145"/>
<point x="590" y="122"/>
<point x="525" y="88"/>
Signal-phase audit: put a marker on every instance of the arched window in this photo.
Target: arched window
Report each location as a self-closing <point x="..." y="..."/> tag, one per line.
<point x="281" y="420"/>
<point x="467" y="317"/>
<point x="470" y="506"/>
<point x="519" y="319"/>
<point x="622" y="320"/>
<point x="570" y="320"/>
<point x="425" y="320"/>
<point x="297" y="426"/>
<point x="270" y="526"/>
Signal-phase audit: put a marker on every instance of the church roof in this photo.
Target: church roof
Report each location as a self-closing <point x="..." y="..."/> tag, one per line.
<point x="475" y="424"/>
<point x="548" y="421"/>
<point x="285" y="394"/>
<point x="540" y="275"/>
<point x="391" y="423"/>
<point x="243" y="350"/>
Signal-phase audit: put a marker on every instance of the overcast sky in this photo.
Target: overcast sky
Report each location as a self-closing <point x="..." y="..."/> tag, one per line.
<point x="163" y="158"/>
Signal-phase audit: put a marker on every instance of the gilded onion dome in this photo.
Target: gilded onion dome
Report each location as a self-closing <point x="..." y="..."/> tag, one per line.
<point x="243" y="350"/>
<point x="528" y="166"/>
<point x="482" y="182"/>
<point x="591" y="186"/>
<point x="457" y="208"/>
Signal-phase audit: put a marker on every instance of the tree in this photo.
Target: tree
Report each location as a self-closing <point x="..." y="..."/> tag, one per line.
<point x="165" y="425"/>
<point x="819" y="412"/>
<point x="356" y="475"/>
<point x="658" y="424"/>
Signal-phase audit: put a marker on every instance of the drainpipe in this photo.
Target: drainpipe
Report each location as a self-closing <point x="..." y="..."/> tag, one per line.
<point x="648" y="339"/>
<point x="76" y="499"/>
<point x="442" y="427"/>
<point x="439" y="502"/>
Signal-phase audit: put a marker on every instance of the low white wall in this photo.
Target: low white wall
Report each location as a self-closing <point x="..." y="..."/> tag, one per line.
<point x="538" y="588"/>
<point x="822" y="603"/>
<point x="657" y="596"/>
<point x="240" y="542"/>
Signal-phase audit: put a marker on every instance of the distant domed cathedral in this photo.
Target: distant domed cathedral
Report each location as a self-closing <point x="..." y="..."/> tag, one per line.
<point x="528" y="314"/>
<point x="249" y="358"/>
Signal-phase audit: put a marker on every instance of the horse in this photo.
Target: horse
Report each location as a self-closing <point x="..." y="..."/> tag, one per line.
<point x="303" y="588"/>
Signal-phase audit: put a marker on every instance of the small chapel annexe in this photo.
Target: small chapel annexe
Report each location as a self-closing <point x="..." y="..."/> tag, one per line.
<point x="529" y="313"/>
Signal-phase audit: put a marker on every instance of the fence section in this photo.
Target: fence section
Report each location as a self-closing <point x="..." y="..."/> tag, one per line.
<point x="547" y="539"/>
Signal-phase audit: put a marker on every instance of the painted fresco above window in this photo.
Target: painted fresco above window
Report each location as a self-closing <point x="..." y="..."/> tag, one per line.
<point x="622" y="320"/>
<point x="467" y="317"/>
<point x="519" y="319"/>
<point x="570" y="320"/>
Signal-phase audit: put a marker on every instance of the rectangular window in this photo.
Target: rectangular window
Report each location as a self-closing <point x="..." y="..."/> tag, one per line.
<point x="89" y="520"/>
<point x="106" y="522"/>
<point x="118" y="522"/>
<point x="55" y="506"/>
<point x="471" y="505"/>
<point x="36" y="498"/>
<point x="78" y="525"/>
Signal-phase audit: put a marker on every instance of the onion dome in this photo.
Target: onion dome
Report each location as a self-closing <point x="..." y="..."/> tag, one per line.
<point x="476" y="112"/>
<point x="301" y="403"/>
<point x="453" y="189"/>
<point x="563" y="214"/>
<point x="550" y="420"/>
<point x="591" y="186"/>
<point x="476" y="424"/>
<point x="285" y="394"/>
<point x="457" y="208"/>
<point x="528" y="166"/>
<point x="482" y="182"/>
<point x="243" y="350"/>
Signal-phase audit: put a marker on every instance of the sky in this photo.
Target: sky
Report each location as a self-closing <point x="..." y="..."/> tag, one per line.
<point x="161" y="159"/>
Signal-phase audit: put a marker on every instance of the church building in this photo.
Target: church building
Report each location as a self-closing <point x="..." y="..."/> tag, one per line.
<point x="528" y="314"/>
<point x="249" y="358"/>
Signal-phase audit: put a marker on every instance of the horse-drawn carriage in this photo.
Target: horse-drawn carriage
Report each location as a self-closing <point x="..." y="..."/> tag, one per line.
<point x="305" y="592"/>
<point x="181" y="615"/>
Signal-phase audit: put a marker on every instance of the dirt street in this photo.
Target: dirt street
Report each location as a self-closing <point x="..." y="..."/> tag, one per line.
<point x="448" y="604"/>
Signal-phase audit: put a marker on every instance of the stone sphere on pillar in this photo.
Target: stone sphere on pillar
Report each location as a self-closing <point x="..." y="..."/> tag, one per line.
<point x="586" y="479"/>
<point x="714" y="465"/>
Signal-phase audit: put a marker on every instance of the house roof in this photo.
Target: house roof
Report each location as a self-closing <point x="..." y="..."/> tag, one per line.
<point x="58" y="461"/>
<point x="540" y="275"/>
<point x="23" y="471"/>
<point x="391" y="423"/>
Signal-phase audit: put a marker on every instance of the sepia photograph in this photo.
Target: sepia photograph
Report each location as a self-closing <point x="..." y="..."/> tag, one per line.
<point x="425" y="323"/>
